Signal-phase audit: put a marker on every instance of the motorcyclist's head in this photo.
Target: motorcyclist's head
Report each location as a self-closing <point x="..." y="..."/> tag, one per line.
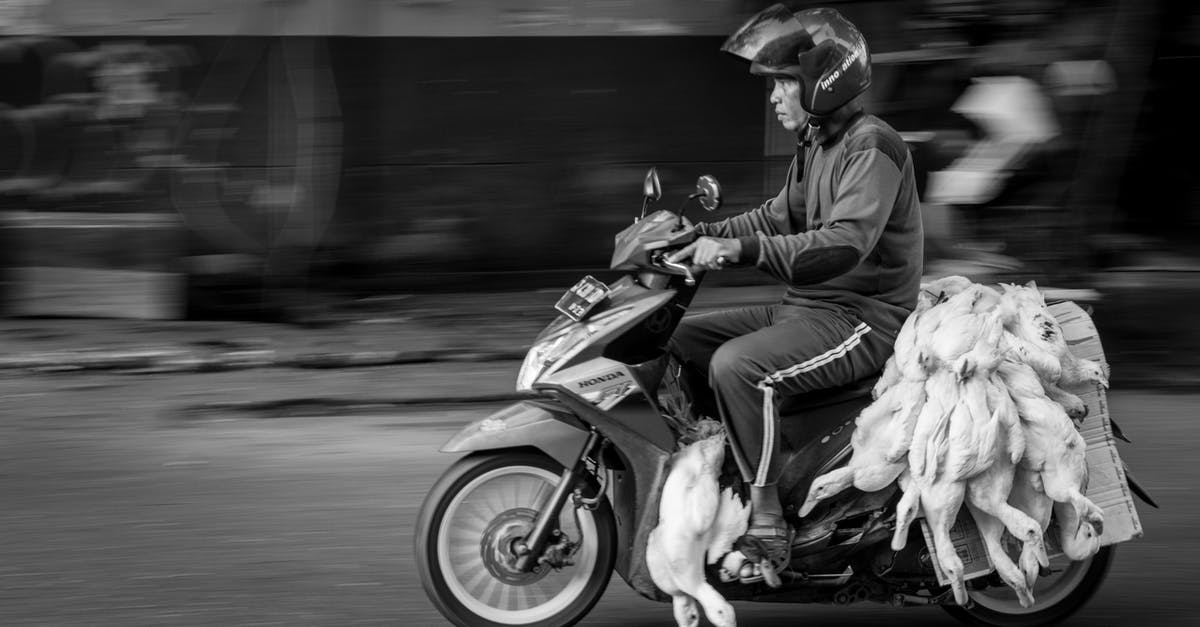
<point x="819" y="50"/>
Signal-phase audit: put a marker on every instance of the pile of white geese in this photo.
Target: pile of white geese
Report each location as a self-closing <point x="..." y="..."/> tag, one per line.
<point x="971" y="410"/>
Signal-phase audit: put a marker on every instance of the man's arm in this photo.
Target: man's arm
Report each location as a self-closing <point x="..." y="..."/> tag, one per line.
<point x="758" y="220"/>
<point x="860" y="213"/>
<point x="771" y="218"/>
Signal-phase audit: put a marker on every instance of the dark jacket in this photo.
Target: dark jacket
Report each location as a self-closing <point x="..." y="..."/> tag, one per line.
<point x="849" y="234"/>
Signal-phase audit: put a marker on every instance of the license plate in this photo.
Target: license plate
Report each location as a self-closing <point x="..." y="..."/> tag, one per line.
<point x="582" y="298"/>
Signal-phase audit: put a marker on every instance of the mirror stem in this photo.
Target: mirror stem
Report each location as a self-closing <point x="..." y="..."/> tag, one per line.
<point x="685" y="202"/>
<point x="679" y="220"/>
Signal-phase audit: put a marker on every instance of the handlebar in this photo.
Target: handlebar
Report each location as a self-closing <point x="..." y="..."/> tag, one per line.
<point x="683" y="268"/>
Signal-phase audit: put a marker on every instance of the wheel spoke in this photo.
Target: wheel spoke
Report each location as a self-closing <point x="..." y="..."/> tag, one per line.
<point x="490" y="592"/>
<point x="544" y="591"/>
<point x="522" y="593"/>
<point x="540" y="497"/>
<point x="523" y="489"/>
<point x="511" y="494"/>
<point x="472" y="585"/>
<point x="494" y="501"/>
<point x="469" y="527"/>
<point x="465" y="556"/>
<point x="484" y="503"/>
<point x="537" y="593"/>
<point x="474" y="519"/>
<point x="541" y="494"/>
<point x="462" y="539"/>
<point x="506" y="597"/>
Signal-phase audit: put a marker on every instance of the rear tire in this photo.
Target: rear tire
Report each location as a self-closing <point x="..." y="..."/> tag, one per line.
<point x="1055" y="600"/>
<point x="467" y="524"/>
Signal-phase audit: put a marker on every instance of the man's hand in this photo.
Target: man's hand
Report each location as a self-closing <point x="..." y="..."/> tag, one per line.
<point x="709" y="253"/>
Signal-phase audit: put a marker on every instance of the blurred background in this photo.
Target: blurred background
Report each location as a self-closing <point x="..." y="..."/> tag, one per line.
<point x="253" y="193"/>
<point x="268" y="160"/>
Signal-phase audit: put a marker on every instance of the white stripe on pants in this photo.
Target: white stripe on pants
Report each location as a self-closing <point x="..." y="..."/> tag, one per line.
<point x="767" y="385"/>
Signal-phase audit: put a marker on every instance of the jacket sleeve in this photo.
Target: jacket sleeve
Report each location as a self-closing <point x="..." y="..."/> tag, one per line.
<point x="772" y="218"/>
<point x="861" y="207"/>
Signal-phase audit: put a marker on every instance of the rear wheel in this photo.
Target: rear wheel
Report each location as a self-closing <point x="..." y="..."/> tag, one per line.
<point x="1057" y="596"/>
<point x="465" y="535"/>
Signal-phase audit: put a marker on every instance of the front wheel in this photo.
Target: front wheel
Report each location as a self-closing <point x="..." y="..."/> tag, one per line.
<point x="1057" y="596"/>
<point x="468" y="525"/>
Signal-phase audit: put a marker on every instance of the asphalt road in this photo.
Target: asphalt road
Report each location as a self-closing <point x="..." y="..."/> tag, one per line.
<point x="117" y="510"/>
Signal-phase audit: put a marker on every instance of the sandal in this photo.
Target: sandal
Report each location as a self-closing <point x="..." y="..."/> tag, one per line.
<point x="767" y="549"/>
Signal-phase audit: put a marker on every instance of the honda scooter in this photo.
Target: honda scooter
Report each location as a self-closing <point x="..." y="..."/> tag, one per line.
<point x="554" y="492"/>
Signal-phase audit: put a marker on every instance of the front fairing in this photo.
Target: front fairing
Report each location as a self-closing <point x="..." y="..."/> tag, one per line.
<point x="640" y="248"/>
<point x="564" y="342"/>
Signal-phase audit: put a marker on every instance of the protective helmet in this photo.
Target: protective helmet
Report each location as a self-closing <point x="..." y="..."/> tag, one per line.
<point x="818" y="47"/>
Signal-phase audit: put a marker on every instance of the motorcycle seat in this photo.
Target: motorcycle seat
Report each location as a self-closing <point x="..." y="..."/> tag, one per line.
<point x="797" y="403"/>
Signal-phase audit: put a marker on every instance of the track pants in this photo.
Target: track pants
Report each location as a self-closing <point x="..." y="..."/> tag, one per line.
<point x="752" y="356"/>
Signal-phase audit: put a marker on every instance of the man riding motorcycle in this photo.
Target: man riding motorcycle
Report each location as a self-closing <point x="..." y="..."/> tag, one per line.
<point x="844" y="233"/>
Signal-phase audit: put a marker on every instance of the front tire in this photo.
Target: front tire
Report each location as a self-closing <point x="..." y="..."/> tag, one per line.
<point x="465" y="530"/>
<point x="1056" y="598"/>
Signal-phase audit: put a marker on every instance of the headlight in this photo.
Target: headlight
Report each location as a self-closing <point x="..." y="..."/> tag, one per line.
<point x="544" y="357"/>
<point x="551" y="350"/>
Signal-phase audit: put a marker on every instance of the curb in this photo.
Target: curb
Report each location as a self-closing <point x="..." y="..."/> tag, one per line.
<point x="169" y="360"/>
<point x="146" y="361"/>
<point x="277" y="408"/>
<point x="393" y="358"/>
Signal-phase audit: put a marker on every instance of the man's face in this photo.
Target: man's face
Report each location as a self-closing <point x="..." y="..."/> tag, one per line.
<point x="786" y="99"/>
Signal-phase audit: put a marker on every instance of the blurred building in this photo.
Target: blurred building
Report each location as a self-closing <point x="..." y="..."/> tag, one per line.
<point x="236" y="157"/>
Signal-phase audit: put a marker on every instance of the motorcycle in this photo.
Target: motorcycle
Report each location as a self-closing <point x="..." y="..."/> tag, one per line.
<point x="556" y="491"/>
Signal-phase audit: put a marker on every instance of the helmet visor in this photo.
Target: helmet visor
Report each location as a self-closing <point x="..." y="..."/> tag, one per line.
<point x="771" y="41"/>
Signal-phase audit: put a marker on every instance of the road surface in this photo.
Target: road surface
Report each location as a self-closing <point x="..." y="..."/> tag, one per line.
<point x="116" y="509"/>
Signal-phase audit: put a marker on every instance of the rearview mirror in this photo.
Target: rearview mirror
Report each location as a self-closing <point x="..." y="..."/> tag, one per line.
<point x="651" y="188"/>
<point x="708" y="191"/>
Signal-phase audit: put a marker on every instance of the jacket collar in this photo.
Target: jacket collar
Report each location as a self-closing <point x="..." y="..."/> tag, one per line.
<point x="834" y="127"/>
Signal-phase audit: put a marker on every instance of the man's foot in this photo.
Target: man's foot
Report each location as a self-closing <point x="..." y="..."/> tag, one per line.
<point x="767" y="547"/>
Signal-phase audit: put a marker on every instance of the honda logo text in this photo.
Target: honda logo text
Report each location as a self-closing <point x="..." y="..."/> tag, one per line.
<point x="586" y="383"/>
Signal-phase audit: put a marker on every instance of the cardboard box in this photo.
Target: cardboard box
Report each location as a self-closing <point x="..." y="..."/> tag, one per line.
<point x="1107" y="486"/>
<point x="967" y="543"/>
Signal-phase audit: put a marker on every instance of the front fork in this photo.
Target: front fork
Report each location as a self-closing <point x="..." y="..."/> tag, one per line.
<point x="530" y="550"/>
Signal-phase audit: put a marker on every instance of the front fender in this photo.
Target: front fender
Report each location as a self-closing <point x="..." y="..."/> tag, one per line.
<point x="540" y="424"/>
